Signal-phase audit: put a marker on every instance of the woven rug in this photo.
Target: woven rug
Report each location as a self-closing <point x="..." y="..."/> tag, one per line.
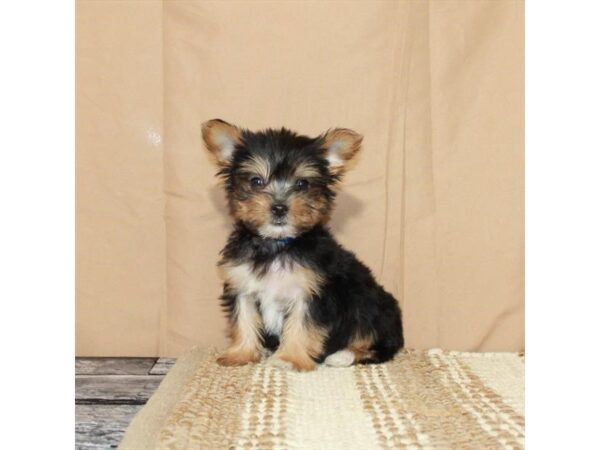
<point x="422" y="399"/>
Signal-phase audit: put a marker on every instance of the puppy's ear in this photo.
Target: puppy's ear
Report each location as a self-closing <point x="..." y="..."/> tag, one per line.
<point x="341" y="145"/>
<point x="221" y="138"/>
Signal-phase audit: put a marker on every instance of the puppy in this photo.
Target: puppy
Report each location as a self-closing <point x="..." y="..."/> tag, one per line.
<point x="289" y="288"/>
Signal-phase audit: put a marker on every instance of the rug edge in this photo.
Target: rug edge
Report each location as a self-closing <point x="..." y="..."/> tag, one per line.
<point x="145" y="427"/>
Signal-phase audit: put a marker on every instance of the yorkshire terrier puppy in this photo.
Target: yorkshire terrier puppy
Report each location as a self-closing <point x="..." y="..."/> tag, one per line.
<point x="289" y="288"/>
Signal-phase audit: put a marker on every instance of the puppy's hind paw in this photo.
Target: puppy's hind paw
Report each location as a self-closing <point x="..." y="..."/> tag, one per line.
<point x="342" y="358"/>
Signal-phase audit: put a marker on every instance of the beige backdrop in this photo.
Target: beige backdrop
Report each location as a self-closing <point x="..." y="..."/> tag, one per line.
<point x="434" y="206"/>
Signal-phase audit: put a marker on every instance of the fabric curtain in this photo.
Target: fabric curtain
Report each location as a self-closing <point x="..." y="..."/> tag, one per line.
<point x="434" y="206"/>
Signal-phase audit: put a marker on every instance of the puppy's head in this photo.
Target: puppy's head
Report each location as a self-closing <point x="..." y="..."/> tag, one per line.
<point x="278" y="183"/>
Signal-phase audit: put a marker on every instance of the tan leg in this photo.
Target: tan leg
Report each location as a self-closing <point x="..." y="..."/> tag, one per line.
<point x="361" y="348"/>
<point x="244" y="333"/>
<point x="301" y="341"/>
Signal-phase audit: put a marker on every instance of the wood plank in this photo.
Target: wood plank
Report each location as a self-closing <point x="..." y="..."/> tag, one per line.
<point x="113" y="366"/>
<point x="102" y="426"/>
<point x="115" y="389"/>
<point x="162" y="366"/>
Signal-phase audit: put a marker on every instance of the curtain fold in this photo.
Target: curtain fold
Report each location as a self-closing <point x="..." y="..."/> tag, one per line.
<point x="434" y="205"/>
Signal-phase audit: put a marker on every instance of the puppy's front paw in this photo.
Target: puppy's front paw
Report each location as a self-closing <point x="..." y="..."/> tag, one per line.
<point x="283" y="360"/>
<point x="275" y="361"/>
<point x="238" y="357"/>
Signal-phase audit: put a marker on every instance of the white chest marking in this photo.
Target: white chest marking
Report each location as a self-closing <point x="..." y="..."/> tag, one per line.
<point x="276" y="291"/>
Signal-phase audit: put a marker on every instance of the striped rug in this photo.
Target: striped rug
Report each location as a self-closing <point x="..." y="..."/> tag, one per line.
<point x="421" y="400"/>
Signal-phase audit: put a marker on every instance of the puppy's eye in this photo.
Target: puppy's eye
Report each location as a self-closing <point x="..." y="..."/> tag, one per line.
<point x="302" y="184"/>
<point x="257" y="182"/>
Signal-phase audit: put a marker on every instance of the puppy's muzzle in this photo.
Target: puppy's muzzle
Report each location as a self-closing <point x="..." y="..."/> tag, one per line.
<point x="279" y="211"/>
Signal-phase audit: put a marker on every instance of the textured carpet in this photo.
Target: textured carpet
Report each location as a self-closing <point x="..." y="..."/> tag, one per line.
<point x="422" y="399"/>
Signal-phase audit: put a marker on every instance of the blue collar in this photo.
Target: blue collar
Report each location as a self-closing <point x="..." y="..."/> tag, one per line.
<point x="285" y="240"/>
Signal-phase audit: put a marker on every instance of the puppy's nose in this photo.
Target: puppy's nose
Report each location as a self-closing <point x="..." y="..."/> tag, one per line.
<point x="279" y="210"/>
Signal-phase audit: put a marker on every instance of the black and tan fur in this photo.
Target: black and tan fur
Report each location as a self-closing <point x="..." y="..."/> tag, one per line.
<point x="289" y="288"/>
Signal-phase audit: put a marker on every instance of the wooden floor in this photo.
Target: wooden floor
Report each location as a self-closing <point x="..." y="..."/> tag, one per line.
<point x="108" y="393"/>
